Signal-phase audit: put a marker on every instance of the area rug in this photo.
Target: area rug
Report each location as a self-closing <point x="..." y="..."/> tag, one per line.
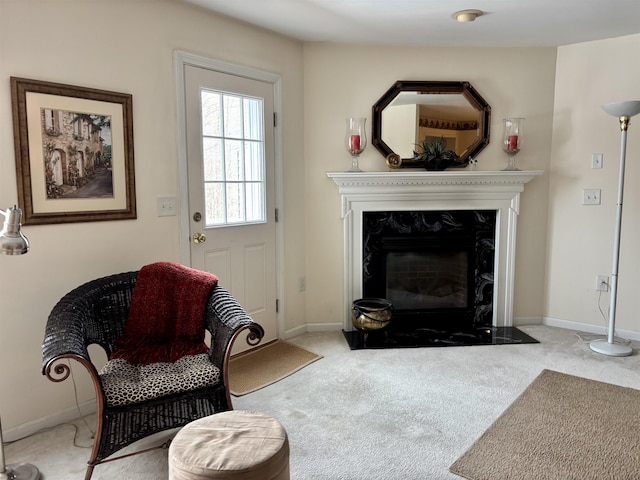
<point x="265" y="365"/>
<point x="561" y="427"/>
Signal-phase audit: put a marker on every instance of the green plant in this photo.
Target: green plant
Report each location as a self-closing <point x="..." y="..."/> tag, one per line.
<point x="434" y="154"/>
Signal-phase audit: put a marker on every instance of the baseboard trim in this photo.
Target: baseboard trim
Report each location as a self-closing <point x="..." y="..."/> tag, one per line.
<point x="312" y="327"/>
<point x="294" y="332"/>
<point x="336" y="327"/>
<point x="324" y="327"/>
<point x="589" y="328"/>
<point x="517" y="322"/>
<point x="65" y="416"/>
<point x="522" y="321"/>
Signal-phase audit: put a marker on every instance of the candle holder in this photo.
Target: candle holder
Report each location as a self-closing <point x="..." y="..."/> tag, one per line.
<point x="512" y="130"/>
<point x="355" y="140"/>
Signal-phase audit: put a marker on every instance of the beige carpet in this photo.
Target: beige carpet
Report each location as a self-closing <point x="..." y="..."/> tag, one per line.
<point x="561" y="427"/>
<point x="265" y="365"/>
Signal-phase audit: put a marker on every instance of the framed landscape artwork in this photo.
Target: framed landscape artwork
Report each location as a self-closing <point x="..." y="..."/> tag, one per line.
<point x="74" y="153"/>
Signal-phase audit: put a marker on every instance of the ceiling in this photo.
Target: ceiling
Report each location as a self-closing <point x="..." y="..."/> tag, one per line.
<point x="517" y="23"/>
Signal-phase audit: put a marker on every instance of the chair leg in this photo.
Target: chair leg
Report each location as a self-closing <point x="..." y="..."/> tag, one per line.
<point x="87" y="475"/>
<point x="97" y="436"/>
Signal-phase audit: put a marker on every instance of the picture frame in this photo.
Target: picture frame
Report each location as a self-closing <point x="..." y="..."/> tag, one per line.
<point x="74" y="153"/>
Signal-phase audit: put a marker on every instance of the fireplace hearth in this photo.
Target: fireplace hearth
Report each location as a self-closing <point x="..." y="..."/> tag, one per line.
<point x="425" y="337"/>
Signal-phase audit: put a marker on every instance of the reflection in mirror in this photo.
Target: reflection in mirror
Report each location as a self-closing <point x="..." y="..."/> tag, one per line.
<point x="411" y="111"/>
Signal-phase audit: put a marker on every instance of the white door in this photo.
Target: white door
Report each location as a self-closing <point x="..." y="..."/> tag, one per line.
<point x="231" y="173"/>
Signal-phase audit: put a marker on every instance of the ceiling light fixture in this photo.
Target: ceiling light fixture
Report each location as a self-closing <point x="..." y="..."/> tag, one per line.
<point x="467" y="15"/>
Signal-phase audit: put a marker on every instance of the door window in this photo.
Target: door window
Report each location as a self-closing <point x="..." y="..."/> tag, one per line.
<point x="234" y="159"/>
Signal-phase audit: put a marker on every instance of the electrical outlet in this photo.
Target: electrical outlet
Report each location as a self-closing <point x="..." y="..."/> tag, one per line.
<point x="602" y="283"/>
<point x="302" y="284"/>
<point x="596" y="160"/>
<point x="591" y="196"/>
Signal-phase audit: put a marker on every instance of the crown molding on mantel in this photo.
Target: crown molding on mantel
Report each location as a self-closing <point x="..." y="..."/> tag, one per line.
<point x="446" y="177"/>
<point x="431" y="191"/>
<point x="443" y="186"/>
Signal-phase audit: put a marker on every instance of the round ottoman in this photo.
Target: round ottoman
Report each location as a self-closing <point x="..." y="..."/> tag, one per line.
<point x="237" y="444"/>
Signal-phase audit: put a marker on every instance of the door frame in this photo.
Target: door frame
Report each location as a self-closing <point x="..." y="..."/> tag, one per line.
<point x="181" y="60"/>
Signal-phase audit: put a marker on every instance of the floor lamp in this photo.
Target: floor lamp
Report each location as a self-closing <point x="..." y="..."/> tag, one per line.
<point x="13" y="242"/>
<point x="624" y="111"/>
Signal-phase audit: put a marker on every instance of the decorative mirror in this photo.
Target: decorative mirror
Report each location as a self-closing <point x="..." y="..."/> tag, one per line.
<point x="414" y="114"/>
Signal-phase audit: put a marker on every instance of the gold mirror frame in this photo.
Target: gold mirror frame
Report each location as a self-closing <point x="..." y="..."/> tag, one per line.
<point x="464" y="89"/>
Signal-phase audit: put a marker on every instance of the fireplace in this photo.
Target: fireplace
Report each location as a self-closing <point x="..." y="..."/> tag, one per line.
<point x="485" y="298"/>
<point x="436" y="267"/>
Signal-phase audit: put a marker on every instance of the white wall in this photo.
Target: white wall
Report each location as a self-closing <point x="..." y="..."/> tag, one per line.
<point x="123" y="46"/>
<point x="343" y="81"/>
<point x="580" y="243"/>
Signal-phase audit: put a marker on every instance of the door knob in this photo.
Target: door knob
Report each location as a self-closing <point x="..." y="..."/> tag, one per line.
<point x="199" y="238"/>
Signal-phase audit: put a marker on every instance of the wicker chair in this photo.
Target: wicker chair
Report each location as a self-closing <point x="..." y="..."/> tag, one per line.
<point x="95" y="313"/>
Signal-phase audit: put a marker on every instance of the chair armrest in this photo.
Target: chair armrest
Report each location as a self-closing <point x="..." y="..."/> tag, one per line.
<point x="65" y="338"/>
<point x="95" y="312"/>
<point x="226" y="320"/>
<point x="65" y="333"/>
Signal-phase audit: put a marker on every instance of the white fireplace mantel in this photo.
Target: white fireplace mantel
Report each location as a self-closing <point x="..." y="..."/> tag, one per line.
<point x="432" y="191"/>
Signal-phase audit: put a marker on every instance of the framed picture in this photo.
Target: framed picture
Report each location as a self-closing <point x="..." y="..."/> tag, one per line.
<point x="74" y="153"/>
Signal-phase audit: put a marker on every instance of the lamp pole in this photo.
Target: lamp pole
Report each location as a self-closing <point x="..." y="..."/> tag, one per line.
<point x="624" y="111"/>
<point x="13" y="242"/>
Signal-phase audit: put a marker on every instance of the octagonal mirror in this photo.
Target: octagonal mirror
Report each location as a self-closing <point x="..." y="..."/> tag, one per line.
<point x="412" y="112"/>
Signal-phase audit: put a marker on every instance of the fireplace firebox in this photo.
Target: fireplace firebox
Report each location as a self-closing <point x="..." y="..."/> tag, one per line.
<point x="436" y="267"/>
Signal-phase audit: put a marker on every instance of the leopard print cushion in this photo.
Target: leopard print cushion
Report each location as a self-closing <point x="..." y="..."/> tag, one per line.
<point x="125" y="383"/>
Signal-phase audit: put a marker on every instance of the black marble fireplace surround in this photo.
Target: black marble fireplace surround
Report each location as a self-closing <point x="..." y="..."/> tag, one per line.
<point x="437" y="268"/>
<point x="433" y="248"/>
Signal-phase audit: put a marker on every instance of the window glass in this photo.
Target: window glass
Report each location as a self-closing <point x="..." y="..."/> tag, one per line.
<point x="233" y="159"/>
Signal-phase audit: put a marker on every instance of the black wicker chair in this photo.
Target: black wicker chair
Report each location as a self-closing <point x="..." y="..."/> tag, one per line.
<point x="95" y="313"/>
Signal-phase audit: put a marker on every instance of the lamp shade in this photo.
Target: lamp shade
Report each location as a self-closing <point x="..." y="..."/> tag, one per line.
<point x="12" y="241"/>
<point x="622" y="109"/>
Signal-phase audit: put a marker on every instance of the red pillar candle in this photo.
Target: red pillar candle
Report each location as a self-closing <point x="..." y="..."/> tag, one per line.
<point x="512" y="143"/>
<point x="354" y="143"/>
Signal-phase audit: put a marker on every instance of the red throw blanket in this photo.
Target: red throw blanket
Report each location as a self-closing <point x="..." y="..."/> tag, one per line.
<point x="166" y="315"/>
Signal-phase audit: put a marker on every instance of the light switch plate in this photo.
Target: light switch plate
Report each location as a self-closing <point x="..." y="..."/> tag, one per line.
<point x="166" y="206"/>
<point x="591" y="196"/>
<point x="596" y="160"/>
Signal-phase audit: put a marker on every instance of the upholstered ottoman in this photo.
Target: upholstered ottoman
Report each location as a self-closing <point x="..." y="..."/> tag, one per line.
<point x="230" y="445"/>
